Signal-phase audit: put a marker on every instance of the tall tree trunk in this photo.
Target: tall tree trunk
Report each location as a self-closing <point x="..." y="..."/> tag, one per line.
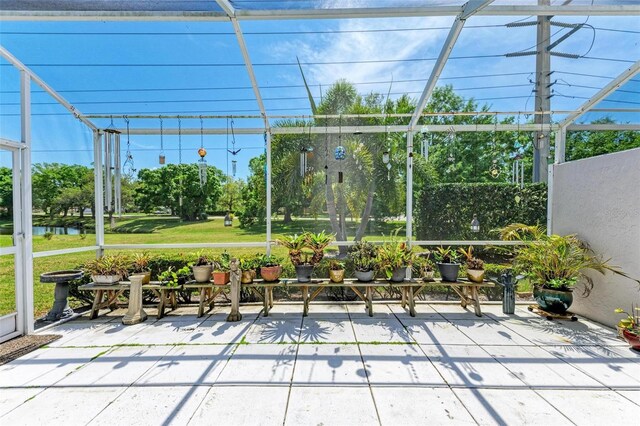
<point x="366" y="213"/>
<point x="287" y="216"/>
<point x="333" y="216"/>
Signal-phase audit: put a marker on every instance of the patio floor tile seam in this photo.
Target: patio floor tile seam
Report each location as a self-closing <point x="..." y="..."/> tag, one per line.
<point x="366" y="372"/>
<point x="627" y="398"/>
<point x="576" y="367"/>
<point x="293" y="372"/>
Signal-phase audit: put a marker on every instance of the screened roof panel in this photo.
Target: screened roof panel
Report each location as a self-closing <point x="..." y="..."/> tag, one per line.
<point x="112" y="5"/>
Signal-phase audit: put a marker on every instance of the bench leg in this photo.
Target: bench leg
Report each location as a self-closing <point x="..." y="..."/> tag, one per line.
<point x="266" y="302"/>
<point x="97" y="301"/>
<point x="163" y="298"/>
<point x="463" y="299"/>
<point x="203" y="294"/>
<point x="412" y="302"/>
<point x="174" y="300"/>
<point x="305" y="300"/>
<point x="403" y="291"/>
<point x="369" y="297"/>
<point x="476" y="301"/>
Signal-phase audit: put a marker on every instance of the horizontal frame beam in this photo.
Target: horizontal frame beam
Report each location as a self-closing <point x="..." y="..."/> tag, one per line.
<point x="337" y="13"/>
<point x="346" y="130"/>
<point x="603" y="127"/>
<point x="49" y="253"/>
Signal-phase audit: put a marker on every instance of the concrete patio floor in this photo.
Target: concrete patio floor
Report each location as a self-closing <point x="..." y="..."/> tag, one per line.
<point x="337" y="366"/>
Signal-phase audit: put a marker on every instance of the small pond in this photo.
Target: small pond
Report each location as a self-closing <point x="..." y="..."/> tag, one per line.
<point x="41" y="230"/>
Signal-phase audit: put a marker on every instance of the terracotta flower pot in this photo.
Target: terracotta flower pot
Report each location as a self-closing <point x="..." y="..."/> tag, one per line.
<point x="221" y="278"/>
<point x="271" y="273"/>
<point x="632" y="339"/>
<point x="336" y="275"/>
<point x="475" y="275"/>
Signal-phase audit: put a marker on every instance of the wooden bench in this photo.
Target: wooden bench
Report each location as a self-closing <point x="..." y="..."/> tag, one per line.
<point x="208" y="292"/>
<point x="466" y="290"/>
<point x="106" y="295"/>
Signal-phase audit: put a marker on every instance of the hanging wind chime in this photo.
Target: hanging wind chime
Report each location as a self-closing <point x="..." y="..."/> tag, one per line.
<point x="306" y="153"/>
<point x="326" y="154"/>
<point x="202" y="163"/>
<point x="517" y="170"/>
<point x="233" y="151"/>
<point x="128" y="168"/>
<point x="494" y="170"/>
<point x="162" y="158"/>
<point x="386" y="155"/>
<point x="340" y="152"/>
<point x="180" y="164"/>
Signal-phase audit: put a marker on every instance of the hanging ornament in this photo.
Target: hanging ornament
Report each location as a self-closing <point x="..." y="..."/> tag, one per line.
<point x="233" y="151"/>
<point x="202" y="163"/>
<point x="127" y="167"/>
<point x="385" y="157"/>
<point x="494" y="170"/>
<point x="161" y="158"/>
<point x="340" y="153"/>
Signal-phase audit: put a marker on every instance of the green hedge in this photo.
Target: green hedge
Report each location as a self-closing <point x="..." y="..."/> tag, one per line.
<point x="444" y="211"/>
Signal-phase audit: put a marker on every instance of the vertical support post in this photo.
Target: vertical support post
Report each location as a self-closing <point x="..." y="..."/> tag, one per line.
<point x="268" y="178"/>
<point x="26" y="284"/>
<point x="98" y="191"/>
<point x="409" y="195"/>
<point x="118" y="176"/>
<point x="550" y="199"/>
<point x="18" y="238"/>
<point x="561" y="143"/>
<point x="542" y="96"/>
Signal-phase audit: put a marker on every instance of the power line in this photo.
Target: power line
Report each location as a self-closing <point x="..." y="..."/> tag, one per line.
<point x="292" y="86"/>
<point x="260" y="64"/>
<point x="290" y="98"/>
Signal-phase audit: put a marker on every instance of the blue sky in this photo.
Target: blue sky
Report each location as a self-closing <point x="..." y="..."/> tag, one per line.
<point x="221" y="89"/>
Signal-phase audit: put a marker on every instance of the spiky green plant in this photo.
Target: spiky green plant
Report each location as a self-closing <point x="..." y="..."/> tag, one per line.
<point x="317" y="243"/>
<point x="555" y="261"/>
<point x="295" y="244"/>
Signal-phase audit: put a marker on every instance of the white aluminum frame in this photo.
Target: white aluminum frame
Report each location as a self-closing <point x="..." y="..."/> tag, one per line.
<point x="24" y="254"/>
<point x="335" y="13"/>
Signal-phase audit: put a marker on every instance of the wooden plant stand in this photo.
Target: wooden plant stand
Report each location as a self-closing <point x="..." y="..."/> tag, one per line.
<point x="551" y="315"/>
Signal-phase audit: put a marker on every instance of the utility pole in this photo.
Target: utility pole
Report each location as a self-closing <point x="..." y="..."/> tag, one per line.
<point x="543" y="97"/>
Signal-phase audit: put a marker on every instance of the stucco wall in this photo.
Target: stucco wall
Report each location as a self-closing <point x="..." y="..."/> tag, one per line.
<point x="599" y="199"/>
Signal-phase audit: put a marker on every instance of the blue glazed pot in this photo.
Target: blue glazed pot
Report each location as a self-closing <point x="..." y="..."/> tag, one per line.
<point x="555" y="301"/>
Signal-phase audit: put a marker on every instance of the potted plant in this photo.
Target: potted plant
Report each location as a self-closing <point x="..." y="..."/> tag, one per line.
<point x="393" y="259"/>
<point x="629" y="327"/>
<point x="295" y="244"/>
<point x="447" y="262"/>
<point x="140" y="266"/>
<point x="423" y="266"/>
<point x="554" y="264"/>
<point x="270" y="268"/>
<point x="248" y="266"/>
<point x="107" y="269"/>
<point x="363" y="256"/>
<point x="202" y="268"/>
<point x="475" y="266"/>
<point x="317" y="243"/>
<point x="221" y="269"/>
<point x="336" y="271"/>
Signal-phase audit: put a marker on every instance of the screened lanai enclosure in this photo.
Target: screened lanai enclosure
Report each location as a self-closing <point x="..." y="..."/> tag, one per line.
<point x="434" y="122"/>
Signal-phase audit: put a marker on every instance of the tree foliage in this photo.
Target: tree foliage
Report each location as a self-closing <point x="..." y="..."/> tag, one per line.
<point x="177" y="188"/>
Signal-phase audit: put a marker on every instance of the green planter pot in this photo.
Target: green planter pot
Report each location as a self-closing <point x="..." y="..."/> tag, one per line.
<point x="554" y="301"/>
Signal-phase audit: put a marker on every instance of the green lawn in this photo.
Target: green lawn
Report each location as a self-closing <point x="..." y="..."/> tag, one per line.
<point x="150" y="230"/>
